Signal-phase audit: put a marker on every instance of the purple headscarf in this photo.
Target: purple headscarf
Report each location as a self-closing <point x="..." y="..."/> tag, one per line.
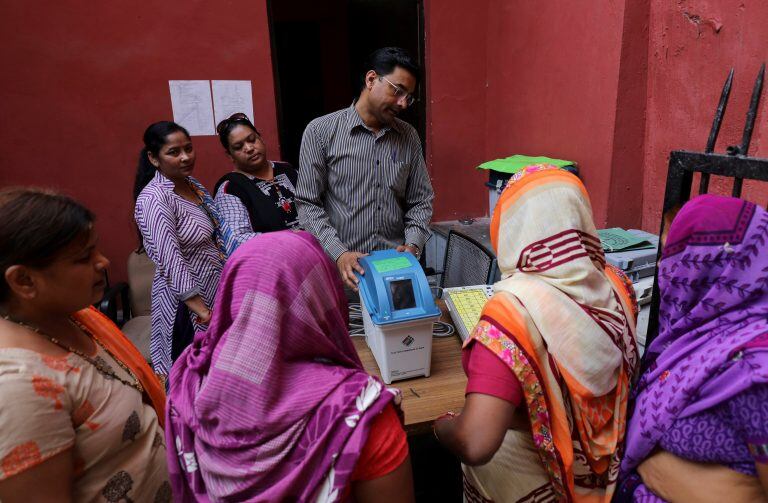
<point x="713" y="320"/>
<point x="272" y="402"/>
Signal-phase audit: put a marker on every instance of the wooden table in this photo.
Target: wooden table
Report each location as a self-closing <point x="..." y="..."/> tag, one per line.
<point x="425" y="398"/>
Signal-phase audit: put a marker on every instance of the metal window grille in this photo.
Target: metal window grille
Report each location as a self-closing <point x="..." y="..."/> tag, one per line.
<point x="734" y="163"/>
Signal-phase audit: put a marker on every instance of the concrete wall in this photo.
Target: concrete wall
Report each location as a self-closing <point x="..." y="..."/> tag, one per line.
<point x="553" y="85"/>
<point x="457" y="70"/>
<point x="693" y="44"/>
<point x="612" y="84"/>
<point x="84" y="80"/>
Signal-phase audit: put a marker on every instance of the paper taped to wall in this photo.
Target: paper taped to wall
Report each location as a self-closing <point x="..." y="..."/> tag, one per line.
<point x="191" y="102"/>
<point x="231" y="96"/>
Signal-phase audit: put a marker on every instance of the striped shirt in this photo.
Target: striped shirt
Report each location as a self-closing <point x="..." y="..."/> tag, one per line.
<point x="234" y="214"/>
<point x="359" y="190"/>
<point x="178" y="237"/>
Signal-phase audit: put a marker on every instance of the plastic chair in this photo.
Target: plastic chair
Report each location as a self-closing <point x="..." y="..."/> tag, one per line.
<point x="129" y="305"/>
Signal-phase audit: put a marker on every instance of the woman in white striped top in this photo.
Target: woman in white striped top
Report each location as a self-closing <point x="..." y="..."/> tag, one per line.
<point x="180" y="232"/>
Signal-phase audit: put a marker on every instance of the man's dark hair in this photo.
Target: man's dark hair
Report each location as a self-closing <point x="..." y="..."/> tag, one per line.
<point x="383" y="61"/>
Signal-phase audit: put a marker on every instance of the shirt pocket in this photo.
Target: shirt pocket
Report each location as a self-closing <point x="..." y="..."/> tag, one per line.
<point x="397" y="178"/>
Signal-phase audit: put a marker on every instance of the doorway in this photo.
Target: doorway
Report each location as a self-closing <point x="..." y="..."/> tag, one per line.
<point x="317" y="53"/>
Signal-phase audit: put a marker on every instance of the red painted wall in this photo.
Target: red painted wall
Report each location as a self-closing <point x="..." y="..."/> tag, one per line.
<point x="537" y="78"/>
<point x="456" y="71"/>
<point x="613" y="86"/>
<point x="693" y="44"/>
<point x="83" y="82"/>
<point x="552" y="85"/>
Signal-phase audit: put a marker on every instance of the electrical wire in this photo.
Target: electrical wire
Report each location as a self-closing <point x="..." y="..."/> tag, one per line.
<point x="442" y="329"/>
<point x="357" y="325"/>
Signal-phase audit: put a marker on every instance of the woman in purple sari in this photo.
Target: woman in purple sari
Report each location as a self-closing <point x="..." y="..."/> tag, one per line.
<point x="272" y="402"/>
<point x="701" y="405"/>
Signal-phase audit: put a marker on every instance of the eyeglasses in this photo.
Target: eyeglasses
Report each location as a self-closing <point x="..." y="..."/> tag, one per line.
<point x="400" y="93"/>
<point x="239" y="118"/>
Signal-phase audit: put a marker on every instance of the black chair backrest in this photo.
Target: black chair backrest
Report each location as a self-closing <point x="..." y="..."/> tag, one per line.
<point x="734" y="164"/>
<point x="467" y="262"/>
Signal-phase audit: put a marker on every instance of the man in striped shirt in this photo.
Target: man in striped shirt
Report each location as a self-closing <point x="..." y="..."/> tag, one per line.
<point x="363" y="184"/>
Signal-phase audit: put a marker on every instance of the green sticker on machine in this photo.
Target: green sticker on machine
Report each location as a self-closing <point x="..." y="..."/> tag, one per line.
<point x="391" y="264"/>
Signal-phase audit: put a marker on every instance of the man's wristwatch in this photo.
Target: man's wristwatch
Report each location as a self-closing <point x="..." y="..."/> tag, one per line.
<point x="418" y="250"/>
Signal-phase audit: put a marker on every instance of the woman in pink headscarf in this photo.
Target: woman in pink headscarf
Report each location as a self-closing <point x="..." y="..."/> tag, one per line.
<point x="272" y="402"/>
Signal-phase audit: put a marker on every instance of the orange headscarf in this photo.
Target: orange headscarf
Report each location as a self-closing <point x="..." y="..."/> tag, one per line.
<point x="568" y="317"/>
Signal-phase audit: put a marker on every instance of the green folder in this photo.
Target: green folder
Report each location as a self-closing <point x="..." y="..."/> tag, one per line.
<point x="617" y="239"/>
<point x="515" y="163"/>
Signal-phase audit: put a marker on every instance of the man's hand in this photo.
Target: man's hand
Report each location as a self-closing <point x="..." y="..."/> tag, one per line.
<point x="412" y="249"/>
<point x="347" y="264"/>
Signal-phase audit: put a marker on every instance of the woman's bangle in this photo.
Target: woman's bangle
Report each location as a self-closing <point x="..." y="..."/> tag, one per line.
<point x="447" y="415"/>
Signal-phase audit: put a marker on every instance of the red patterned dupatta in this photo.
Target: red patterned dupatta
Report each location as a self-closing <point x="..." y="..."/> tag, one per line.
<point x="564" y="324"/>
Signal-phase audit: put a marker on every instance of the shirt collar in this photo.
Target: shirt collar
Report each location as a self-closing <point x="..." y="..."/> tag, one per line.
<point x="167" y="183"/>
<point x="162" y="180"/>
<point x="354" y="120"/>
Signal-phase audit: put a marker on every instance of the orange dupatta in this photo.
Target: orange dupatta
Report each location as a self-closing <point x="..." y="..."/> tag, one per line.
<point x="564" y="323"/>
<point x="115" y="341"/>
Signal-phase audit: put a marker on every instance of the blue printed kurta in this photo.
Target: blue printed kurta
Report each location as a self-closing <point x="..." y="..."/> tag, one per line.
<point x="178" y="237"/>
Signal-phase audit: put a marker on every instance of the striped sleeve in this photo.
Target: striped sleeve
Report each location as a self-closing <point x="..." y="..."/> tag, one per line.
<point x="234" y="216"/>
<point x="419" y="196"/>
<point x="313" y="180"/>
<point x="156" y="223"/>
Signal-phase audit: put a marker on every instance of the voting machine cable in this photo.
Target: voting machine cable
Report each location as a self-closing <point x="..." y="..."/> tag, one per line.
<point x="357" y="327"/>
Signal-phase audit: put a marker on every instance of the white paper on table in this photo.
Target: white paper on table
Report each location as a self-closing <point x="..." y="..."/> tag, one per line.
<point x="232" y="96"/>
<point x="191" y="102"/>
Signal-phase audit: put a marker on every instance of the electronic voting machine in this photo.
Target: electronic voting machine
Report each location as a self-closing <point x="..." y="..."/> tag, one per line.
<point x="398" y="313"/>
<point x="465" y="304"/>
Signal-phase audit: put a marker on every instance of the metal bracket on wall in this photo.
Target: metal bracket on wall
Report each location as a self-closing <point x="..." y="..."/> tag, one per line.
<point x="735" y="163"/>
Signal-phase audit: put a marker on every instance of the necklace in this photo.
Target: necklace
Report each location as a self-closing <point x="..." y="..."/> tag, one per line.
<point x="282" y="201"/>
<point x="101" y="366"/>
